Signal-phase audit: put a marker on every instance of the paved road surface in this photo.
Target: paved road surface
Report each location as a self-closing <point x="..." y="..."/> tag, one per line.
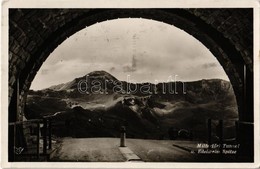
<point x="158" y="151"/>
<point x="89" y="149"/>
<point x="106" y="150"/>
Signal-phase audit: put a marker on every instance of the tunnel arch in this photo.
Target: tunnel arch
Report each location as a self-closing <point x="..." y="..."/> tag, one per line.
<point x="34" y="34"/>
<point x="226" y="32"/>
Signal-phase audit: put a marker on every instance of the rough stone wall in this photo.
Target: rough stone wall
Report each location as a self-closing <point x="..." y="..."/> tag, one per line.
<point x="34" y="34"/>
<point x="235" y="25"/>
<point x="28" y="30"/>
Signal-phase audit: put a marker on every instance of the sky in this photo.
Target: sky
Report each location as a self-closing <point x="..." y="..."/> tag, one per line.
<point x="144" y="50"/>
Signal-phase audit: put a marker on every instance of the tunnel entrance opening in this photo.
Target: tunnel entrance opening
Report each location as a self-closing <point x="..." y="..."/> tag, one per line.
<point x="34" y="34"/>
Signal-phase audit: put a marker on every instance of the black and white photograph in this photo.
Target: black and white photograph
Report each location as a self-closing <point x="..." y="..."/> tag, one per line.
<point x="132" y="85"/>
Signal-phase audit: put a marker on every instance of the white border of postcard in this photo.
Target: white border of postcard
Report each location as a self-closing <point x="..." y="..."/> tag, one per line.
<point x="6" y="4"/>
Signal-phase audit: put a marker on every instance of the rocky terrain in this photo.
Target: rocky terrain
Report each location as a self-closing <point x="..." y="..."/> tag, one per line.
<point x="154" y="111"/>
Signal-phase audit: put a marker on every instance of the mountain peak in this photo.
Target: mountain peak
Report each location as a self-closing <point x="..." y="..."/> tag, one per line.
<point x="101" y="74"/>
<point x="98" y="72"/>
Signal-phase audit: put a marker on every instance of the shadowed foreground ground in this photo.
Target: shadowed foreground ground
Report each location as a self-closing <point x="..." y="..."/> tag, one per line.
<point x="89" y="150"/>
<point x="107" y="150"/>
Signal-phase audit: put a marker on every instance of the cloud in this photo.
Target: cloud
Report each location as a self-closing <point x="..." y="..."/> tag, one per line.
<point x="128" y="68"/>
<point x="134" y="62"/>
<point x="132" y="67"/>
<point x="45" y="71"/>
<point x="209" y="65"/>
<point x="112" y="69"/>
